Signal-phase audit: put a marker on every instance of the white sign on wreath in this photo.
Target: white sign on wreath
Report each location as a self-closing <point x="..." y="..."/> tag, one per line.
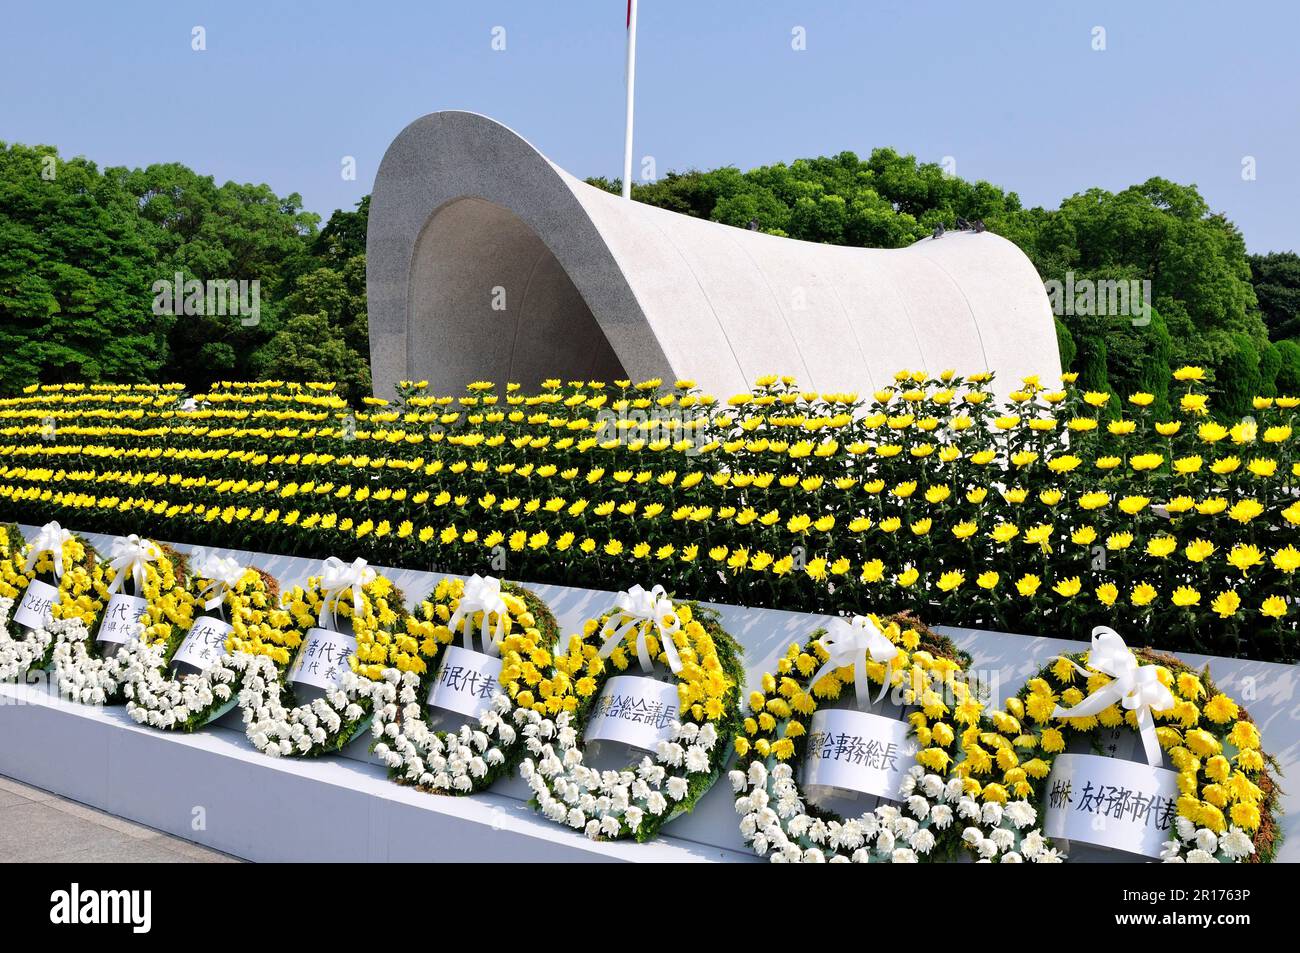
<point x="123" y="615"/>
<point x="34" y="611"/>
<point x="322" y="659"/>
<point x="466" y="682"/>
<point x="858" y="751"/>
<point x="205" y="643"/>
<point x="636" y="711"/>
<point x="1124" y="805"/>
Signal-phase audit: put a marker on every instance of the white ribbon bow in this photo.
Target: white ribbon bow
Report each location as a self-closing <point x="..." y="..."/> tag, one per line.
<point x="636" y="607"/>
<point x="852" y="643"/>
<point x="337" y="576"/>
<point x="51" y="538"/>
<point x="482" y="594"/>
<point x="130" y="555"/>
<point x="222" y="572"/>
<point x="1137" y="686"/>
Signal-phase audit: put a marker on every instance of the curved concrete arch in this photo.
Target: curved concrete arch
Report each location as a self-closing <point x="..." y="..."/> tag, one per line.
<point x="485" y="260"/>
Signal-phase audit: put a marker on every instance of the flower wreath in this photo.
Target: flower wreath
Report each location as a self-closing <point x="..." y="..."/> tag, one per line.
<point x="57" y="558"/>
<point x="636" y="801"/>
<point x="927" y="668"/>
<point x="158" y="573"/>
<point x="249" y="598"/>
<point x="516" y="625"/>
<point x="1228" y="796"/>
<point x="276" y="722"/>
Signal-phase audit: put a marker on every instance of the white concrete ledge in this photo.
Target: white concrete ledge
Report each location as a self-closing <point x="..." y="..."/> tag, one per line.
<point x="274" y="809"/>
<point x="264" y="808"/>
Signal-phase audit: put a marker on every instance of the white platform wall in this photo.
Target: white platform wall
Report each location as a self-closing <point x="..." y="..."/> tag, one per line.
<point x="344" y="808"/>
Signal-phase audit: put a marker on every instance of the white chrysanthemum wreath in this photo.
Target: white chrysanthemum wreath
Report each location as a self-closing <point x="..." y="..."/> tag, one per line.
<point x="517" y="632"/>
<point x="638" y="800"/>
<point x="17" y="656"/>
<point x="274" y="719"/>
<point x="139" y="568"/>
<point x="926" y="671"/>
<point x="1228" y="798"/>
<point x="59" y="565"/>
<point x="30" y="653"/>
<point x="257" y="626"/>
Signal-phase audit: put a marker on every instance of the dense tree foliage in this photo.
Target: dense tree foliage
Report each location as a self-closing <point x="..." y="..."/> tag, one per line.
<point x="1277" y="286"/>
<point x="76" y="265"/>
<point x="81" y="250"/>
<point x="327" y="338"/>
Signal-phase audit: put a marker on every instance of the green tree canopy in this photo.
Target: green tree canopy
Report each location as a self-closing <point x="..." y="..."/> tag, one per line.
<point x="227" y="232"/>
<point x="344" y="235"/>
<point x="81" y="250"/>
<point x="309" y="348"/>
<point x="76" y="269"/>
<point x="1276" y="277"/>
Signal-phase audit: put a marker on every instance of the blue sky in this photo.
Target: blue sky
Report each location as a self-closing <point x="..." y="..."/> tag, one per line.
<point x="1013" y="91"/>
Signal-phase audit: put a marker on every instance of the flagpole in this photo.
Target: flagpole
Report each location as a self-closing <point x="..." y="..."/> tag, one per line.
<point x="631" y="88"/>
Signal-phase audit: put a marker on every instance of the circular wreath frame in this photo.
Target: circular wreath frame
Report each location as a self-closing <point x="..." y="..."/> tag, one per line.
<point x="468" y="760"/>
<point x="275" y="721"/>
<point x="186" y="702"/>
<point x="30" y="651"/>
<point x="640" y="799"/>
<point x="777" y="822"/>
<point x="1025" y="728"/>
<point x="82" y="672"/>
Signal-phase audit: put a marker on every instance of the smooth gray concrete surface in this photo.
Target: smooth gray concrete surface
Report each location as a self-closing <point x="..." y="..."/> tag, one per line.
<point x="485" y="261"/>
<point x="37" y="826"/>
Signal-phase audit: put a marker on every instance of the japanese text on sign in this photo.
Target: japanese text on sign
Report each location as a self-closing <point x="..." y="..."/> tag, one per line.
<point x="1124" y="805"/>
<point x="637" y="711"/>
<point x="34" y="611"/>
<point x="122" y="618"/>
<point x="858" y="751"/>
<point x="323" y="658"/>
<point x="466" y="682"/>
<point x="205" y="643"/>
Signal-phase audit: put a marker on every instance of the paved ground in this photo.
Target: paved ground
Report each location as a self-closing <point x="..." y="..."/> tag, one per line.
<point x="37" y="826"/>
